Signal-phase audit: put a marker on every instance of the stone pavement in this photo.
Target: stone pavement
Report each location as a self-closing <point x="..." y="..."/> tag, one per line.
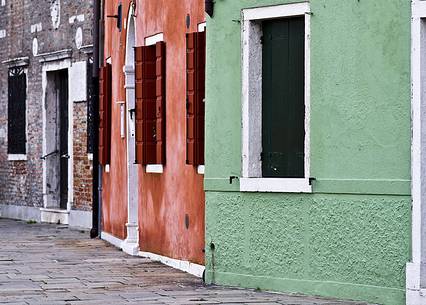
<point x="51" y="264"/>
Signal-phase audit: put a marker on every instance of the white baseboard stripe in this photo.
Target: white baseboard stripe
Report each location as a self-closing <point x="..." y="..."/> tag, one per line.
<point x="191" y="268"/>
<point x="111" y="239"/>
<point x="185" y="266"/>
<point x="20" y="212"/>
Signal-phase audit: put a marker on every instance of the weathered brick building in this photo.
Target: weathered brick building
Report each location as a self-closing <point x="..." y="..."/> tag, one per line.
<point x="45" y="160"/>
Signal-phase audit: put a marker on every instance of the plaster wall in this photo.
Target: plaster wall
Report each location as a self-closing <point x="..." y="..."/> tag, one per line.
<point x="175" y="198"/>
<point x="351" y="237"/>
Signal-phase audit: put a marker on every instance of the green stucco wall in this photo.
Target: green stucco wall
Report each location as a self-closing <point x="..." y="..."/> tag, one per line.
<point x="351" y="238"/>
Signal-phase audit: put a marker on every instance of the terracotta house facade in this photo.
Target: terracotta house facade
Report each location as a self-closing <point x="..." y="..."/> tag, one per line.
<point x="152" y="130"/>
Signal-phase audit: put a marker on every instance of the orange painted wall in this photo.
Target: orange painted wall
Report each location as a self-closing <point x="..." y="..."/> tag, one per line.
<point x="114" y="182"/>
<point x="164" y="199"/>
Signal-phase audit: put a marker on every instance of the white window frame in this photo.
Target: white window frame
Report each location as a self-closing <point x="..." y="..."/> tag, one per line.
<point x="252" y="180"/>
<point x="416" y="268"/>
<point x="149" y="41"/>
<point x="22" y="157"/>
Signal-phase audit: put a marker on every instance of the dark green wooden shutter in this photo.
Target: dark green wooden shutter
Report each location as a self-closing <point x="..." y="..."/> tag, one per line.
<point x="283" y="98"/>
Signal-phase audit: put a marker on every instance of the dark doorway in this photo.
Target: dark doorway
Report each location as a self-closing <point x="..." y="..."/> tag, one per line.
<point x="62" y="95"/>
<point x="56" y="137"/>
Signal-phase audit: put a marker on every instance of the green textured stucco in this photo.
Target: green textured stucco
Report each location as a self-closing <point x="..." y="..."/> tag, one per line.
<point x="347" y="246"/>
<point x="338" y="241"/>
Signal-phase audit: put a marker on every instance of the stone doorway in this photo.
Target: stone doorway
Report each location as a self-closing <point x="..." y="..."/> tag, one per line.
<point x="56" y="142"/>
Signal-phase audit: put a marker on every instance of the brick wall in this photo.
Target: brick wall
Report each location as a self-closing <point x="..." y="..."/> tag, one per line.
<point x="23" y="21"/>
<point x="82" y="164"/>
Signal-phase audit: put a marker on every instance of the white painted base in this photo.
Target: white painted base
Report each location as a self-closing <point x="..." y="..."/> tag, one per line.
<point x="191" y="268"/>
<point x="415" y="295"/>
<point x="80" y="219"/>
<point x="20" y="212"/>
<point x="55" y="216"/>
<point x="130" y="248"/>
<point x="117" y="242"/>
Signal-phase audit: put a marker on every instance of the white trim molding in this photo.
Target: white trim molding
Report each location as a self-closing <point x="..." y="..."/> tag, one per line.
<point x="202" y="27"/>
<point x="116" y="242"/>
<point x="17" y="157"/>
<point x="154" y="169"/>
<point x="252" y="33"/>
<point x="201" y="169"/>
<point x="275" y="185"/>
<point x="151" y="40"/>
<point x="416" y="269"/>
<point x="56" y="61"/>
<point x="185" y="266"/>
<point x="131" y="243"/>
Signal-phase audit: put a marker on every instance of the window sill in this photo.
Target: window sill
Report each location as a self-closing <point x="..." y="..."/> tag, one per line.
<point x="154" y="169"/>
<point x="17" y="157"/>
<point x="275" y="185"/>
<point x="201" y="169"/>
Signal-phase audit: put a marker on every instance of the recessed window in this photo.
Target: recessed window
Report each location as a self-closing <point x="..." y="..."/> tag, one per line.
<point x="276" y="99"/>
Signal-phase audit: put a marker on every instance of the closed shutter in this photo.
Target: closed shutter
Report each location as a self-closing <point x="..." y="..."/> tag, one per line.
<point x="105" y="100"/>
<point x="160" y="103"/>
<point x="283" y="105"/>
<point x="145" y="80"/>
<point x="195" y="116"/>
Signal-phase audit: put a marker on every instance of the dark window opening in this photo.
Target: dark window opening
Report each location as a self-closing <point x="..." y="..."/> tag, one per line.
<point x="17" y="96"/>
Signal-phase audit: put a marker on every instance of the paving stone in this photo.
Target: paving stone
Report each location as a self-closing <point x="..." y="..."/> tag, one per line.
<point x="53" y="265"/>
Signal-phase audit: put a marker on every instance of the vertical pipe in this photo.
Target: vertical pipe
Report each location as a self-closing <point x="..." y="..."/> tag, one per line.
<point x="95" y="134"/>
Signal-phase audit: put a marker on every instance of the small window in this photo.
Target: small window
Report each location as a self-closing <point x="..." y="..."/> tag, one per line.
<point x="17" y="96"/>
<point x="276" y="99"/>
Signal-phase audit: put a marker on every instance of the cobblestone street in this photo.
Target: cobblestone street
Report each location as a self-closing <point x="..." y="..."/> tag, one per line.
<point x="51" y="264"/>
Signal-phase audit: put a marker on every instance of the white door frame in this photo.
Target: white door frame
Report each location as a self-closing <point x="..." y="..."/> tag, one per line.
<point x="51" y="65"/>
<point x="416" y="269"/>
<point x="131" y="243"/>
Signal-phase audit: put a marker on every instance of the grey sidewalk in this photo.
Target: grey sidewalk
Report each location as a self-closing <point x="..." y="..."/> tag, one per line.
<point x="51" y="264"/>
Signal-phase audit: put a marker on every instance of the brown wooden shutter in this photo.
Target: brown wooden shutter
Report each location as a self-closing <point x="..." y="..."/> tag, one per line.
<point x="138" y="105"/>
<point x="196" y="58"/>
<point x="160" y="103"/>
<point x="145" y="79"/>
<point x="105" y="96"/>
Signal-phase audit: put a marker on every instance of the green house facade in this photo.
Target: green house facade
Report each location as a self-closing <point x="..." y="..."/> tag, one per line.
<point x="310" y="150"/>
